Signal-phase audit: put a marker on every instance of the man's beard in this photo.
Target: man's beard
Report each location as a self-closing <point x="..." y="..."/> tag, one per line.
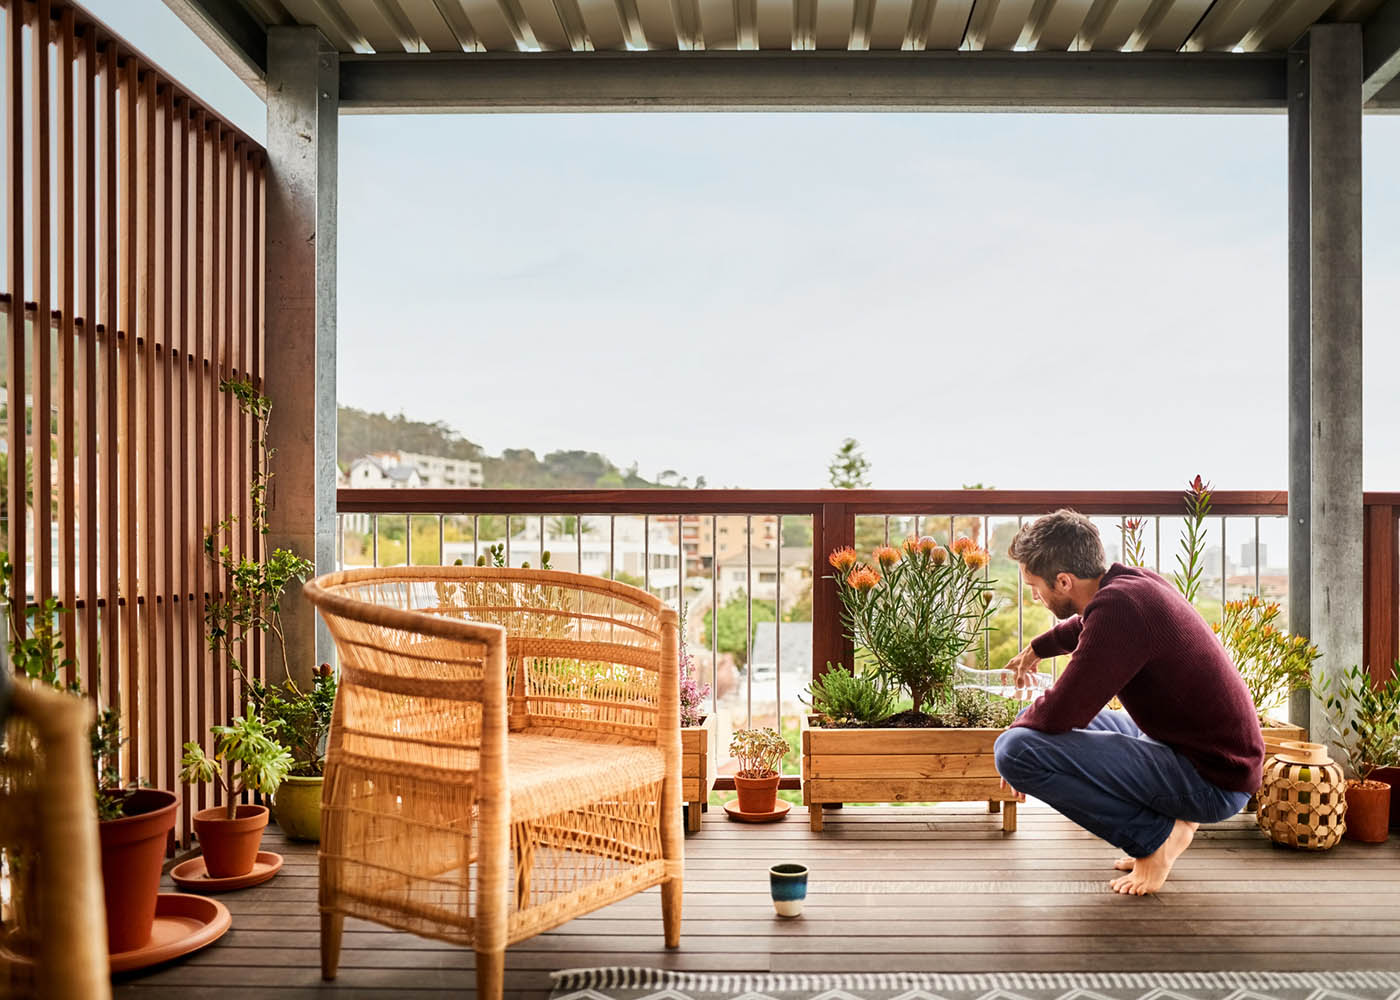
<point x="1061" y="608"/>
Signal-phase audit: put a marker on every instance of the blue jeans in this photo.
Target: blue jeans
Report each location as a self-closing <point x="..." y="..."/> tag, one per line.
<point x="1113" y="780"/>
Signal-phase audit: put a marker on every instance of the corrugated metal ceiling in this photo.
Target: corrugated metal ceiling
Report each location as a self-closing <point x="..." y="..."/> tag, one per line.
<point x="1006" y="25"/>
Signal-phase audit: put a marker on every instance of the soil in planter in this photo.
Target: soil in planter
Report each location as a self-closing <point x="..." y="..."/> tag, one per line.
<point x="908" y="719"/>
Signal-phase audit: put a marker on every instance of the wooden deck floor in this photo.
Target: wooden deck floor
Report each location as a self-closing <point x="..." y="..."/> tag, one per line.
<point x="896" y="889"/>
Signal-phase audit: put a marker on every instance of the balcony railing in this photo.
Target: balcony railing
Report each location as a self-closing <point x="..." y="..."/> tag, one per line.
<point x="760" y="557"/>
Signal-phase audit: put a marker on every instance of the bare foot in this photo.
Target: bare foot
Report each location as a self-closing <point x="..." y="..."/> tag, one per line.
<point x="1128" y="863"/>
<point x="1149" y="874"/>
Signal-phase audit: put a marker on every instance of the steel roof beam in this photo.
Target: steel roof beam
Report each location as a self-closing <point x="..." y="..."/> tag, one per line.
<point x="847" y="81"/>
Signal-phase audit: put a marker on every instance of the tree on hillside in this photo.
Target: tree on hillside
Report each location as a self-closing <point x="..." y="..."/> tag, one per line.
<point x="849" y="468"/>
<point x="733" y="621"/>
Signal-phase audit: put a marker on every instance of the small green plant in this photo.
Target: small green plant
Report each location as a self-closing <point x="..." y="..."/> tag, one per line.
<point x="1363" y="719"/>
<point x="302" y="718"/>
<point x="36" y="651"/>
<point x="1191" y="560"/>
<point x="250" y="742"/>
<point x="497" y="554"/>
<point x="974" y="709"/>
<point x="758" y="751"/>
<point x="842" y="697"/>
<point x="1273" y="663"/>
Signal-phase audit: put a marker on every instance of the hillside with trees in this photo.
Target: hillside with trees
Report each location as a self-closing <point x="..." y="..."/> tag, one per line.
<point x="361" y="433"/>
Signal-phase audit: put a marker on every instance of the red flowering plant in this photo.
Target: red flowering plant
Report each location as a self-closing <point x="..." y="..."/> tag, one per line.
<point x="916" y="611"/>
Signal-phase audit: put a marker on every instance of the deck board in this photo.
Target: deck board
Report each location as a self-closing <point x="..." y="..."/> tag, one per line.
<point x="893" y="889"/>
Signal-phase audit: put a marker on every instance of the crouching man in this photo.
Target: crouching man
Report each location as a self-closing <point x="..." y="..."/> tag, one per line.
<point x="1186" y="751"/>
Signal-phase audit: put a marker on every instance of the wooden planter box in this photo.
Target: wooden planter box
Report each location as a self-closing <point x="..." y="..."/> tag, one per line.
<point x="902" y="765"/>
<point x="1276" y="733"/>
<point x="698" y="761"/>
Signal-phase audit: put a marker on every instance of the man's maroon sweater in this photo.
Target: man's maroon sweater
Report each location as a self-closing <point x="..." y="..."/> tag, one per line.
<point x="1141" y="640"/>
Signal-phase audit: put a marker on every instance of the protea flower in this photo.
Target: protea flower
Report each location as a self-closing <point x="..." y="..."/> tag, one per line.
<point x="887" y="556"/>
<point x="976" y="559"/>
<point x="938" y="555"/>
<point x="843" y="559"/>
<point x="927" y="544"/>
<point x="911" y="545"/>
<point x="863" y="579"/>
<point x="964" y="545"/>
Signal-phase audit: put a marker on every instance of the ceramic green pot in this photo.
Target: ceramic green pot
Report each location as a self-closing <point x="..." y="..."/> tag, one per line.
<point x="298" y="808"/>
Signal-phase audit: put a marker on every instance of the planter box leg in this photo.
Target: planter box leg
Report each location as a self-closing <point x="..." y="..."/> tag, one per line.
<point x="993" y="806"/>
<point x="1008" y="818"/>
<point x="692" y="816"/>
<point x="814" y="812"/>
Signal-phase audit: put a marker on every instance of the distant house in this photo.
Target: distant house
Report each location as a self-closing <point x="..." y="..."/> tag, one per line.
<point x="757" y="574"/>
<point x="373" y="473"/>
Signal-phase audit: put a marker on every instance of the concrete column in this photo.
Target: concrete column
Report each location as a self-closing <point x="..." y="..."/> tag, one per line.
<point x="1336" y="519"/>
<point x="1299" y="367"/>
<point x="303" y="99"/>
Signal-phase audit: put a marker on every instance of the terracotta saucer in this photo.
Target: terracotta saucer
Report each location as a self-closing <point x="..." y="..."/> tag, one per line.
<point x="190" y="875"/>
<point x="183" y="924"/>
<point x="732" y="808"/>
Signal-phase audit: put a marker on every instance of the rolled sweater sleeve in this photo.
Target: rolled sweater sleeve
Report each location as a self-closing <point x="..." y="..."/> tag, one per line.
<point x="1106" y="657"/>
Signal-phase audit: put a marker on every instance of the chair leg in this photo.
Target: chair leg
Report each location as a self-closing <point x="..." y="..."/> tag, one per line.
<point x="993" y="806"/>
<point x="490" y="974"/>
<point x="814" y="813"/>
<point x="1008" y="817"/>
<point x="671" y="893"/>
<point x="331" y="926"/>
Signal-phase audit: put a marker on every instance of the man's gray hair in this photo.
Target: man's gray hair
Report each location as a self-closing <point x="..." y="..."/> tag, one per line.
<point x="1063" y="542"/>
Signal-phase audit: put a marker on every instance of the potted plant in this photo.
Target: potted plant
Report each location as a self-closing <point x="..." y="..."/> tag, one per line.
<point x="697" y="738"/>
<point x="230" y="834"/>
<point x="303" y="719"/>
<point x="134" y="823"/>
<point x="912" y="614"/>
<point x="1272" y="663"/>
<point x="1364" y="720"/>
<point x="759" y="752"/>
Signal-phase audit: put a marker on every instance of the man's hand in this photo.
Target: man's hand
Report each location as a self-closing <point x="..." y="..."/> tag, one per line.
<point x="1025" y="665"/>
<point x="1020" y="797"/>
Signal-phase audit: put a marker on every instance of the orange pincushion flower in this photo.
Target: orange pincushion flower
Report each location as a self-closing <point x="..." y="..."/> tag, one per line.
<point x="976" y="559"/>
<point x="927" y="544"/>
<point x="963" y="546"/>
<point x="887" y="556"/>
<point x="938" y="555"/>
<point x="911" y="545"/>
<point x="864" y="579"/>
<point x="843" y="559"/>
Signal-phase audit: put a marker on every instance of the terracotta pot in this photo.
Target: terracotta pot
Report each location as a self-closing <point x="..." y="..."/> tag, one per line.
<point x="1391" y="776"/>
<point x="230" y="846"/>
<point x="133" y="849"/>
<point x="1368" y="812"/>
<point x="757" y="795"/>
<point x="298" y="807"/>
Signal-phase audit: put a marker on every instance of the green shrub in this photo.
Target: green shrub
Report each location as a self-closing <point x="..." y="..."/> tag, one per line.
<point x="840" y="696"/>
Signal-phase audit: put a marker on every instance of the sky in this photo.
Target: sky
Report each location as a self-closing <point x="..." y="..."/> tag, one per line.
<point x="1025" y="301"/>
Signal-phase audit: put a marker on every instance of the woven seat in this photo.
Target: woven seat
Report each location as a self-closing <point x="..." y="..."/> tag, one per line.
<point x="504" y="755"/>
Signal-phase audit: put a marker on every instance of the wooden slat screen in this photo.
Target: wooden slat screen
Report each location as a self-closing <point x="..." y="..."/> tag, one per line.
<point x="132" y="285"/>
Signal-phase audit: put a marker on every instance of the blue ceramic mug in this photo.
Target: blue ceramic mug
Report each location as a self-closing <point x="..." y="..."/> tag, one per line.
<point x="788" y="886"/>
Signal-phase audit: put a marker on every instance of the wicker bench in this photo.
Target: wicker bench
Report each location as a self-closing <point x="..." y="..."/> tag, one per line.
<point x="504" y="755"/>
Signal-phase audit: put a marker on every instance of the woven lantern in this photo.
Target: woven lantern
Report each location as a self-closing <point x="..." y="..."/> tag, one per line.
<point x="1303" y="802"/>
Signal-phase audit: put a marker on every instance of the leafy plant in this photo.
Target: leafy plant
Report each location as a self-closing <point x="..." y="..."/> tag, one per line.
<point x="974" y="709"/>
<point x="1134" y="544"/>
<point x="36" y="650"/>
<point x="1363" y="719"/>
<point x="758" y="751"/>
<point x="253" y="588"/>
<point x="1272" y="662"/>
<point x="251" y="743"/>
<point x="302" y="718"/>
<point x="842" y="697"/>
<point x="497" y="555"/>
<point x="918" y="612"/>
<point x="1191" y="560"/>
